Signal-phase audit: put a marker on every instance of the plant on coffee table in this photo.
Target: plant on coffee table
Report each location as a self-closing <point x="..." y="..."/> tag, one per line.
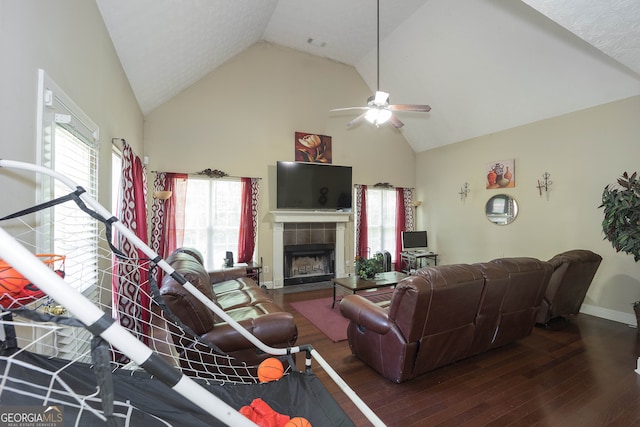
<point x="367" y="268"/>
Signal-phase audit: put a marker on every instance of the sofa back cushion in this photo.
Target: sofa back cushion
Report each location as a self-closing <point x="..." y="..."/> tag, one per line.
<point x="528" y="280"/>
<point x="437" y="309"/>
<point x="573" y="272"/>
<point x="182" y="303"/>
<point x="488" y="315"/>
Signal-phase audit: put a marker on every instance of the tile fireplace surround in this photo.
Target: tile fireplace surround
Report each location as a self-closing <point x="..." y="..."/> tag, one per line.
<point x="280" y="217"/>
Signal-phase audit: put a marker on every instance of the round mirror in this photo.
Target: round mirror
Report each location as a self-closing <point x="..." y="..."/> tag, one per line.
<point x="501" y="209"/>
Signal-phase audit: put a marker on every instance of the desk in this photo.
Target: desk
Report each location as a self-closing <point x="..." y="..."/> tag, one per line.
<point x="414" y="260"/>
<point x="354" y="284"/>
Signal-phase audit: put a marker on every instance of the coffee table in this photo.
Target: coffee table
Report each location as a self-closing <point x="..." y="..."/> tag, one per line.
<point x="355" y="284"/>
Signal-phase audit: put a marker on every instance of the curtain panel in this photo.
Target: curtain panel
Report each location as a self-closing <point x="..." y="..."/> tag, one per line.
<point x="131" y="274"/>
<point x="362" y="234"/>
<point x="248" y="219"/>
<point x="404" y="219"/>
<point x="167" y="216"/>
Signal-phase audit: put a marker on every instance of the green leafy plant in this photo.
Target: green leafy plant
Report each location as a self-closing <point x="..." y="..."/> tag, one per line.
<point x="367" y="268"/>
<point x="621" y="223"/>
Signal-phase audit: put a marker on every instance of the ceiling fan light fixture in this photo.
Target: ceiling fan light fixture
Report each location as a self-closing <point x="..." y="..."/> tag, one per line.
<point x="377" y="116"/>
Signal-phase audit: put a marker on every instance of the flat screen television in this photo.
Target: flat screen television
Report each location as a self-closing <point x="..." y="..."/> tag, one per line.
<point x="313" y="186"/>
<point x="414" y="241"/>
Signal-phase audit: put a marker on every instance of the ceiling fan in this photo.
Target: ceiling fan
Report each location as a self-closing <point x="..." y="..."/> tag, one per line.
<point x="378" y="110"/>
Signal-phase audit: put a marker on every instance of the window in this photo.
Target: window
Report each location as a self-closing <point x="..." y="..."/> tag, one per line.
<point x="212" y="218"/>
<point x="67" y="143"/>
<point x="381" y="220"/>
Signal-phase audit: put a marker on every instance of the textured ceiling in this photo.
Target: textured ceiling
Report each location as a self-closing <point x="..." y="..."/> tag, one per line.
<point x="483" y="65"/>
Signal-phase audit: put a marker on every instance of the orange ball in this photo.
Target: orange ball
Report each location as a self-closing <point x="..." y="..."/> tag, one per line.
<point x="270" y="369"/>
<point x="298" y="422"/>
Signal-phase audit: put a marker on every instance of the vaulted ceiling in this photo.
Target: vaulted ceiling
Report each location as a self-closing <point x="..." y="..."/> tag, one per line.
<point x="483" y="65"/>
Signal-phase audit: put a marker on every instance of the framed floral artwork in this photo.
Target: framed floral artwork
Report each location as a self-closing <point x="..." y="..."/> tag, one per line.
<point x="312" y="148"/>
<point x="500" y="174"/>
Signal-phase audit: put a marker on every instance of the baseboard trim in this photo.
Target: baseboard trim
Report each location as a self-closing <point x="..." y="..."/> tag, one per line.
<point x="605" y="313"/>
<point x="268" y="285"/>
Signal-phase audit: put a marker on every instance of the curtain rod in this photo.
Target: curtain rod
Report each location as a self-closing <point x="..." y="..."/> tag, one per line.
<point x="385" y="185"/>
<point x="211" y="173"/>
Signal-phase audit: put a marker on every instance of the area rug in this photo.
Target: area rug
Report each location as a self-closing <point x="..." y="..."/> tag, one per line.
<point x="329" y="321"/>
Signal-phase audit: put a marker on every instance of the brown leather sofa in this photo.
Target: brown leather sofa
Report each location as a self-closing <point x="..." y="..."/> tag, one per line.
<point x="446" y="313"/>
<point x="573" y="272"/>
<point x="239" y="296"/>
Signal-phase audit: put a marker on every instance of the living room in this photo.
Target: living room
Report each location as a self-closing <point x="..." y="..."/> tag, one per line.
<point x="249" y="124"/>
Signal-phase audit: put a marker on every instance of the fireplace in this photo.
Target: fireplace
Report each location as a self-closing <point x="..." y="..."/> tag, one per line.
<point x="308" y="263"/>
<point x="339" y="220"/>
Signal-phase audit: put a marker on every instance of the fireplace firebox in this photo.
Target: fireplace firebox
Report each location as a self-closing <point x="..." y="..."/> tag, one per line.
<point x="308" y="263"/>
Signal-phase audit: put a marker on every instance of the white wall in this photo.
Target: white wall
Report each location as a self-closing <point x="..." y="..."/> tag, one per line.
<point x="67" y="39"/>
<point x="583" y="152"/>
<point x="241" y="119"/>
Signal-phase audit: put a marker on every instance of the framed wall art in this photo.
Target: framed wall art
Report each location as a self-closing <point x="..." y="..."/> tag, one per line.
<point x="312" y="148"/>
<point x="500" y="174"/>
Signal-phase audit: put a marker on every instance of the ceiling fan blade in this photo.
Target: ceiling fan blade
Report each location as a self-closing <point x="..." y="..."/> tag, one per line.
<point x="410" y="107"/>
<point x="356" y="120"/>
<point x="395" y="122"/>
<point x="350" y="108"/>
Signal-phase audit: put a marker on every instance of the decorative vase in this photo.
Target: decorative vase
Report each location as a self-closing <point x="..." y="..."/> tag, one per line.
<point x="508" y="175"/>
<point x="491" y="179"/>
<point x="502" y="181"/>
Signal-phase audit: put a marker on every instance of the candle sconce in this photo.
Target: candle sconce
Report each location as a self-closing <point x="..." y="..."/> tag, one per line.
<point x="464" y="191"/>
<point x="545" y="183"/>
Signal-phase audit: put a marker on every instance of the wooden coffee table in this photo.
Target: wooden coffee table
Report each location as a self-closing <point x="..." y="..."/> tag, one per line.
<point x="355" y="284"/>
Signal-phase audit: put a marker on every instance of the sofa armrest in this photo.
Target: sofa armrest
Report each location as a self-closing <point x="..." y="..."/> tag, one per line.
<point x="271" y="328"/>
<point x="217" y="276"/>
<point x="365" y="313"/>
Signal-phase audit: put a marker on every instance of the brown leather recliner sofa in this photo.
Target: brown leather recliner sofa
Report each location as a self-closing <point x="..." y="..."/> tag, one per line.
<point x="239" y="296"/>
<point x="573" y="272"/>
<point x="446" y="313"/>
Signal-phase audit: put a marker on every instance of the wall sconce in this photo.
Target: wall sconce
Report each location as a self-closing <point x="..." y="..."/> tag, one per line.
<point x="464" y="191"/>
<point x="162" y="195"/>
<point x="545" y="183"/>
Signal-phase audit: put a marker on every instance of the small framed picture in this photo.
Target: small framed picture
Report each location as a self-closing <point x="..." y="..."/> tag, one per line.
<point x="312" y="148"/>
<point x="500" y="174"/>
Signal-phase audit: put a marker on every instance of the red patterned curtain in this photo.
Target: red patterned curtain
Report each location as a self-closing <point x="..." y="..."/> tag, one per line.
<point x="404" y="219"/>
<point x="248" y="219"/>
<point x="131" y="274"/>
<point x="167" y="215"/>
<point x="362" y="234"/>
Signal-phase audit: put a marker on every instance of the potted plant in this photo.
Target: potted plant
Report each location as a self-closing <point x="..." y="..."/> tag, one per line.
<point x="367" y="268"/>
<point x="621" y="223"/>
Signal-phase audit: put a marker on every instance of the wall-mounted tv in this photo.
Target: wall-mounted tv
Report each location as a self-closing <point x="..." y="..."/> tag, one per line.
<point x="313" y="186"/>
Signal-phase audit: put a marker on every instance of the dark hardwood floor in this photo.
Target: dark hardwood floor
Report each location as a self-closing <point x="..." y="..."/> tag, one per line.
<point x="579" y="375"/>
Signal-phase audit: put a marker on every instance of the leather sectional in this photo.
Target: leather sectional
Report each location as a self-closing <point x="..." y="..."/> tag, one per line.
<point x="446" y="313"/>
<point x="239" y="296"/>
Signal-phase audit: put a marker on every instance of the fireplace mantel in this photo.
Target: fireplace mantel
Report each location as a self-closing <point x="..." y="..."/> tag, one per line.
<point x="280" y="217"/>
<point x="310" y="216"/>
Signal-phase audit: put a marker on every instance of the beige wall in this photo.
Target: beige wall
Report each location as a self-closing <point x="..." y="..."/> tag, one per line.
<point x="67" y="39"/>
<point x="583" y="152"/>
<point x="241" y="119"/>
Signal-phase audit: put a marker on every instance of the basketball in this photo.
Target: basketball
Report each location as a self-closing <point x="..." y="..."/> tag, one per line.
<point x="16" y="290"/>
<point x="270" y="369"/>
<point x="298" y="422"/>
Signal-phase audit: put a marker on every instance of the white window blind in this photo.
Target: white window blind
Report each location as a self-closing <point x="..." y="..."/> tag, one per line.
<point x="67" y="143"/>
